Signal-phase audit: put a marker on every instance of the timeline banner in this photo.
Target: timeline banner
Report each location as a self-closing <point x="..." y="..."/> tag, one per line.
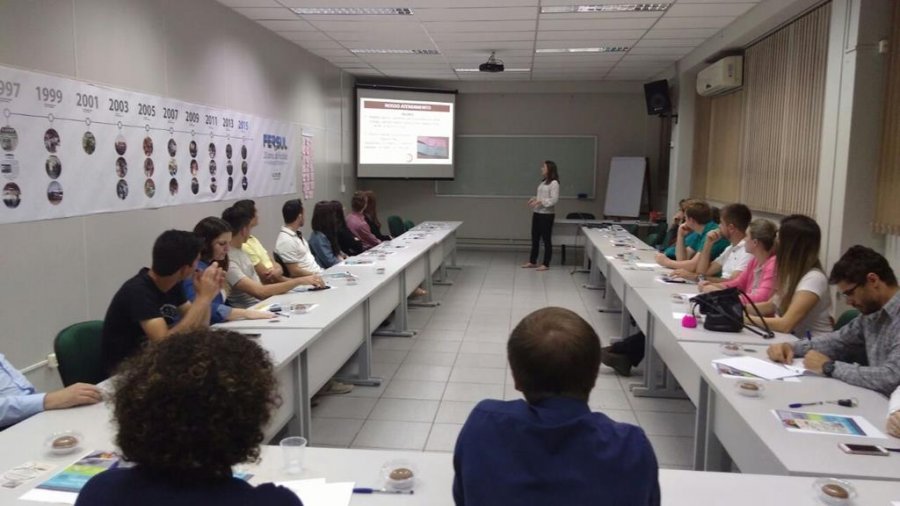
<point x="70" y="148"/>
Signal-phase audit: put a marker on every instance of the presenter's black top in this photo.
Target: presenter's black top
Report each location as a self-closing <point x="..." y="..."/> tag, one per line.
<point x="136" y="487"/>
<point x="137" y="300"/>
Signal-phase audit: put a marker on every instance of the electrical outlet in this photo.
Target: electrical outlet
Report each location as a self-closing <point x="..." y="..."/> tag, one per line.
<point x="883" y="46"/>
<point x="52" y="362"/>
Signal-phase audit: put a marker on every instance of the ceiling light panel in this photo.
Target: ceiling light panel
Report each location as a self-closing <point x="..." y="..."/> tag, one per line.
<point x="393" y="51"/>
<point x="353" y="11"/>
<point x="599" y="8"/>
<point x="569" y="50"/>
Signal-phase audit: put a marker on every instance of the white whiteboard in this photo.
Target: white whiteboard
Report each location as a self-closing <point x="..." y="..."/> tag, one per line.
<point x="625" y="186"/>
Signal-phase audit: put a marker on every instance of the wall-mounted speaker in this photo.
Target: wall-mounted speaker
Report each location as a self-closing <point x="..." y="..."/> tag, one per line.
<point x="657" y="96"/>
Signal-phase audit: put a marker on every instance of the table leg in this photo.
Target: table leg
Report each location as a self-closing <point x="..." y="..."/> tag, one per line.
<point x="453" y="256"/>
<point x="399" y="325"/>
<point x="658" y="380"/>
<point x="429" y="287"/>
<point x="363" y="357"/>
<point x="304" y="412"/>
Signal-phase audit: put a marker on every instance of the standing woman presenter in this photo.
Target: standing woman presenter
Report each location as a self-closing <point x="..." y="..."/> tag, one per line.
<point x="544" y="214"/>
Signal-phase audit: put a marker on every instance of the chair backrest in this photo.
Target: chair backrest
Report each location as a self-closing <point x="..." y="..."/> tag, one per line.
<point x="78" y="350"/>
<point x="845" y="318"/>
<point x="408" y="224"/>
<point x="580" y="216"/>
<point x="284" y="269"/>
<point x="395" y="225"/>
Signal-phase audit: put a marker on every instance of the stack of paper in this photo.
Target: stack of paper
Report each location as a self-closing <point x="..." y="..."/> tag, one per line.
<point x="760" y="368"/>
<point x="316" y="492"/>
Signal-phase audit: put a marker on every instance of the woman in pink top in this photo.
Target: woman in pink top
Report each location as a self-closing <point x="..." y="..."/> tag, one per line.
<point x="758" y="280"/>
<point x="356" y="222"/>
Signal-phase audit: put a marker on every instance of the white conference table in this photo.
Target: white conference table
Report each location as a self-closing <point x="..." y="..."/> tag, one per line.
<point x="343" y="322"/>
<point x="434" y="470"/>
<point x="754" y="439"/>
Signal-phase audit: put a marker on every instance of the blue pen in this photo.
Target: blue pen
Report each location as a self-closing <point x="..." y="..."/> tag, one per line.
<point x="808" y="335"/>
<point x="381" y="491"/>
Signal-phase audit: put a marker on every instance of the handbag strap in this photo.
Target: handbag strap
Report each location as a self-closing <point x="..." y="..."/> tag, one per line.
<point x="764" y="331"/>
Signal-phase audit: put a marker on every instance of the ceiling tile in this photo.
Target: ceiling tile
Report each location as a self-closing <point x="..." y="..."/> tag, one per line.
<point x="662" y="51"/>
<point x="478" y="26"/>
<point x="733" y="9"/>
<point x="287" y="26"/>
<point x="595" y="24"/>
<point x="551" y="44"/>
<point x="423" y="4"/>
<point x="479" y="14"/>
<point x="646" y="42"/>
<point x="302" y="36"/>
<point x="695" y="22"/>
<point x="591" y="34"/>
<point x="250" y="3"/>
<point x="485" y="36"/>
<point x="267" y="13"/>
<point x="693" y="33"/>
<point x="526" y="45"/>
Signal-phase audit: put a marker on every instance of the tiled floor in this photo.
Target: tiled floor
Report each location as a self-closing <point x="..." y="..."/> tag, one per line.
<point x="458" y="357"/>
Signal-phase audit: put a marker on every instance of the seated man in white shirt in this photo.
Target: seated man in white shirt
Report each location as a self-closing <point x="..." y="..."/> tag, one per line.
<point x="735" y="218"/>
<point x="245" y="287"/>
<point x="20" y="400"/>
<point x="290" y="245"/>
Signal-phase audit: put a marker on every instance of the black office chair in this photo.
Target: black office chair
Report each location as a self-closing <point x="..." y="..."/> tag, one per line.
<point x="283" y="265"/>
<point x="573" y="216"/>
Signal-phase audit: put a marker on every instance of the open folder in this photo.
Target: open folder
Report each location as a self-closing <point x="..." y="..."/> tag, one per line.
<point x="759" y="368"/>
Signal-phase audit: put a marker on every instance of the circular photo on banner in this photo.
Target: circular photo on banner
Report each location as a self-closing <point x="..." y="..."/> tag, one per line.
<point x="212" y="167"/>
<point x="213" y="186"/>
<point x="9" y="166"/>
<point x="88" y="143"/>
<point x="53" y="166"/>
<point x="230" y="185"/>
<point x="12" y="195"/>
<point x="192" y="149"/>
<point x="173" y="167"/>
<point x="212" y="150"/>
<point x="51" y="140"/>
<point x="122" y="189"/>
<point x="148" y="146"/>
<point x="9" y="139"/>
<point x="121" y="167"/>
<point x="244" y="167"/>
<point x="121" y="145"/>
<point x="148" y="167"/>
<point x="195" y="168"/>
<point x="244" y="152"/>
<point x="173" y="186"/>
<point x="54" y="192"/>
<point x="149" y="188"/>
<point x="229" y="168"/>
<point x="195" y="186"/>
<point x="172" y="147"/>
<point x="228" y="151"/>
<point x="244" y="183"/>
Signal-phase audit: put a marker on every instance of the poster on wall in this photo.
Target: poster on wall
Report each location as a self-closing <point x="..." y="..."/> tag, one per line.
<point x="308" y="172"/>
<point x="70" y="148"/>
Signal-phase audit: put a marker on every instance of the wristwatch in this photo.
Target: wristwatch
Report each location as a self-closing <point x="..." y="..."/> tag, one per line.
<point x="828" y="368"/>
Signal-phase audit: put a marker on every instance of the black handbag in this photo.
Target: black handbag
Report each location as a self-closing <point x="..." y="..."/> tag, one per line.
<point x="724" y="312"/>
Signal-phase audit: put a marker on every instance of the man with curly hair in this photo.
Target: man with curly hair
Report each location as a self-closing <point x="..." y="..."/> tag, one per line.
<point x="188" y="409"/>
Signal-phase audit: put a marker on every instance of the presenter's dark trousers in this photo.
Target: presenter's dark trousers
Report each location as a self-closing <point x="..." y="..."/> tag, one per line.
<point x="541" y="228"/>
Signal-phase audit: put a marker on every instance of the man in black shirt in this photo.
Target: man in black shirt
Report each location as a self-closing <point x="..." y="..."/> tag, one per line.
<point x="152" y="305"/>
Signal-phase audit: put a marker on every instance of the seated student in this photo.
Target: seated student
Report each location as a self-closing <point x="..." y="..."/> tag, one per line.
<point x="349" y="243"/>
<point x="324" y="242"/>
<point x="734" y="259"/>
<point x="290" y="245"/>
<point x="189" y="410"/>
<point x="864" y="352"/>
<point x="893" y="423"/>
<point x="216" y="236"/>
<point x="152" y="304"/>
<point x="550" y="448"/>
<point x="698" y="219"/>
<point x="801" y="304"/>
<point x="758" y="280"/>
<point x="668" y="242"/>
<point x="371" y="215"/>
<point x="356" y="222"/>
<point x="268" y="271"/>
<point x="246" y="288"/>
<point x="20" y="400"/>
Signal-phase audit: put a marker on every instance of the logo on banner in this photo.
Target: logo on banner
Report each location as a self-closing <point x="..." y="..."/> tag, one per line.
<point x="275" y="142"/>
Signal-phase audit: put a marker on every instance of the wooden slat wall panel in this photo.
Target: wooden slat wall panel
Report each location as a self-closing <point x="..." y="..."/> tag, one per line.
<point x="702" y="134"/>
<point x="887" y="210"/>
<point x="784" y="92"/>
<point x="723" y="182"/>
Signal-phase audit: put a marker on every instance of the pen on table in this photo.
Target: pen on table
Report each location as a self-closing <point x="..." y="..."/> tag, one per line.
<point x="808" y="335"/>
<point x="381" y="491"/>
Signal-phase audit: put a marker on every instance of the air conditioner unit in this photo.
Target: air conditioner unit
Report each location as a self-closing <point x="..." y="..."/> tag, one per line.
<point x="722" y="76"/>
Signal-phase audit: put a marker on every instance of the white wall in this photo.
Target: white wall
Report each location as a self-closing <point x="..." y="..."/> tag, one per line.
<point x="614" y="112"/>
<point x="62" y="271"/>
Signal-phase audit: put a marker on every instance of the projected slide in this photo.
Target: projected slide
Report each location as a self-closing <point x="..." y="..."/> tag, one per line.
<point x="405" y="132"/>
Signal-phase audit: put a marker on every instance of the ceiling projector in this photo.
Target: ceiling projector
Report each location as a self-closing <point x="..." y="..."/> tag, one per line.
<point x="492" y="65"/>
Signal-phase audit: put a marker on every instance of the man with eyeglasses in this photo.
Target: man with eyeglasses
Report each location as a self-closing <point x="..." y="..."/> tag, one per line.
<point x="866" y="351"/>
